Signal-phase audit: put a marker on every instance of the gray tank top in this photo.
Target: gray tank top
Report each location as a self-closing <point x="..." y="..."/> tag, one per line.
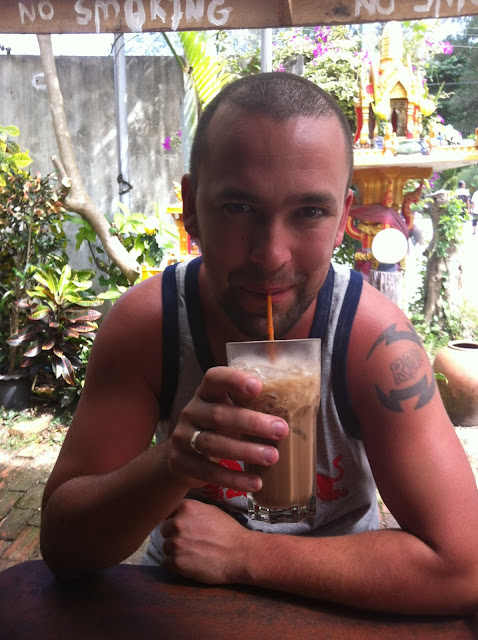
<point x="346" y="492"/>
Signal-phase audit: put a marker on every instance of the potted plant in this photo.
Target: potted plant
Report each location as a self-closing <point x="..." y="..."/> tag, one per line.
<point x="31" y="231"/>
<point x="59" y="329"/>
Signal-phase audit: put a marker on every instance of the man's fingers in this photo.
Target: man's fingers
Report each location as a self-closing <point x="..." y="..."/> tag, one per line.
<point x="200" y="467"/>
<point x="215" y="445"/>
<point x="228" y="419"/>
<point x="219" y="382"/>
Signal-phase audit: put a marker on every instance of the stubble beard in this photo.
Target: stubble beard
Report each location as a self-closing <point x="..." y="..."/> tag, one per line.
<point x="255" y="326"/>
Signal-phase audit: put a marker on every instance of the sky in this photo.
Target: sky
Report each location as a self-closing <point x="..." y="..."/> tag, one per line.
<point x="101" y="44"/>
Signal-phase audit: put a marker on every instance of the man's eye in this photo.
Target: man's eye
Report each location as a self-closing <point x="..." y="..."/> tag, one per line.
<point x="310" y="212"/>
<point x="235" y="208"/>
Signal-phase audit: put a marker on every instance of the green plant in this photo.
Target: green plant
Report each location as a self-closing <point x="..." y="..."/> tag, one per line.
<point x="446" y="322"/>
<point x="345" y="252"/>
<point x="450" y="225"/>
<point x="204" y="74"/>
<point x="61" y="324"/>
<point x="31" y="231"/>
<point x="11" y="157"/>
<point x="147" y="238"/>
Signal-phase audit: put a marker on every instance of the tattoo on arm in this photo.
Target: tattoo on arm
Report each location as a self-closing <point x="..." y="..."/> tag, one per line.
<point x="404" y="369"/>
<point x="394" y="398"/>
<point x="392" y="335"/>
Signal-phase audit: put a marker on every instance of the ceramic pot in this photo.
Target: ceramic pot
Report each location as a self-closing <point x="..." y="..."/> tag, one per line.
<point x="15" y="391"/>
<point x="458" y="361"/>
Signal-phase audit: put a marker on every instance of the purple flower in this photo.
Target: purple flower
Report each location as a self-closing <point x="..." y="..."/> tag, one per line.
<point x="178" y="133"/>
<point x="439" y="118"/>
<point x="167" y="143"/>
<point x="280" y="68"/>
<point x="447" y="48"/>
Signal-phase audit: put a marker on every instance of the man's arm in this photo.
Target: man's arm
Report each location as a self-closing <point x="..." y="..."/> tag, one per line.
<point x="109" y="487"/>
<point x="430" y="565"/>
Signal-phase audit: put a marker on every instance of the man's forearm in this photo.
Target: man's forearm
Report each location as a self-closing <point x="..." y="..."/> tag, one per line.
<point x="388" y="570"/>
<point x="92" y="522"/>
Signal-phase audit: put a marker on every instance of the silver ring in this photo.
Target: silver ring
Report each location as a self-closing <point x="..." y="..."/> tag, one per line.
<point x="192" y="442"/>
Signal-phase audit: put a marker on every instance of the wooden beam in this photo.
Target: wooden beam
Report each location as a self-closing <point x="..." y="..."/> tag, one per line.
<point x="117" y="16"/>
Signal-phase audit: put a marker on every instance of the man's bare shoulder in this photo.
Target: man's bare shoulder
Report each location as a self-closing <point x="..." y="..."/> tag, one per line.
<point x="375" y="313"/>
<point x="139" y="308"/>
<point x="131" y="332"/>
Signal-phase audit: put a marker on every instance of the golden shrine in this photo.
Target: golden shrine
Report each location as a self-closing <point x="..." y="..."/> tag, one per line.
<point x="393" y="145"/>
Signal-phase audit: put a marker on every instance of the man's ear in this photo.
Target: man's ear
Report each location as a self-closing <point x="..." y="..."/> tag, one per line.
<point x="343" y="220"/>
<point x="189" y="207"/>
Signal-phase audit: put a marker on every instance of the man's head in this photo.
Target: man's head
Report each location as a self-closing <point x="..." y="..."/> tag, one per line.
<point x="268" y="200"/>
<point x="278" y="95"/>
<point x="461" y="184"/>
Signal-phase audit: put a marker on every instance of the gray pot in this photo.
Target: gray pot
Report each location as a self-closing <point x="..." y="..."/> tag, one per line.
<point x="15" y="391"/>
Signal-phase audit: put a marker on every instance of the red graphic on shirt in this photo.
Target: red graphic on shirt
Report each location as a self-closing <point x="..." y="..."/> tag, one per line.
<point x="325" y="485"/>
<point x="213" y="492"/>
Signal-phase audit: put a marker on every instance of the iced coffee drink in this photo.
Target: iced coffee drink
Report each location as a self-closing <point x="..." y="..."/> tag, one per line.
<point x="290" y="375"/>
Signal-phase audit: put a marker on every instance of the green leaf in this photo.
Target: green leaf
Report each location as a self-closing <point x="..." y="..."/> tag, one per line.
<point x="11" y="130"/>
<point x="111" y="294"/>
<point x="39" y="313"/>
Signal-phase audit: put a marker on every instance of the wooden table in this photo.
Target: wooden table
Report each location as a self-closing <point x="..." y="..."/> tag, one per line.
<point x="144" y="602"/>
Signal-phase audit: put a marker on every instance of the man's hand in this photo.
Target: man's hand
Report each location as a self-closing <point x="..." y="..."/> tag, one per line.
<point x="226" y="432"/>
<point x="204" y="543"/>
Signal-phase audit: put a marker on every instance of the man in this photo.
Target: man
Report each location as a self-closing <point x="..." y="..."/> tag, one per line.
<point x="463" y="194"/>
<point x="474" y="210"/>
<point x="268" y="198"/>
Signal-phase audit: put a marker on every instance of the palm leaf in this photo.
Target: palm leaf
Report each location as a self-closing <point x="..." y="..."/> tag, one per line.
<point x="204" y="76"/>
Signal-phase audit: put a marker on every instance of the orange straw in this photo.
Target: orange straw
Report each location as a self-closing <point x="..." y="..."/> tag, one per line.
<point x="270" y="325"/>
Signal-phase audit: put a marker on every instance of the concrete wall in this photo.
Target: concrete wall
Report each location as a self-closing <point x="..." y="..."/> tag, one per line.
<point x="154" y="98"/>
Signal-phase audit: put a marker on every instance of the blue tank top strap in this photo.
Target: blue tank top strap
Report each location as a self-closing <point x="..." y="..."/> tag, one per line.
<point x="197" y="326"/>
<point x="322" y="307"/>
<point x="339" y="359"/>
<point x="170" y="359"/>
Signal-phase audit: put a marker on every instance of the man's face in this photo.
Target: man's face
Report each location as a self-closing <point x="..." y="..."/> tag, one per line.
<point x="269" y="209"/>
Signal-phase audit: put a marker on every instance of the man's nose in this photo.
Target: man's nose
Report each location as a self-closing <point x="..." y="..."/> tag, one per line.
<point x="271" y="245"/>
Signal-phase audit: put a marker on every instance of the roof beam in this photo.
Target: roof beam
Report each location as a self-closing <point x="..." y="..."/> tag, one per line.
<point x="123" y="16"/>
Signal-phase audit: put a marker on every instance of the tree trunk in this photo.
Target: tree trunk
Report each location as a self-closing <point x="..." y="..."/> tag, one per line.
<point x="438" y="267"/>
<point x="77" y="198"/>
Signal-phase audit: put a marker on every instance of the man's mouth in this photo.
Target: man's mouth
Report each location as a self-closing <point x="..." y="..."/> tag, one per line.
<point x="277" y="293"/>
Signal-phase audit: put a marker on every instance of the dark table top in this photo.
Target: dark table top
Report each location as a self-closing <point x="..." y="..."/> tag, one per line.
<point x="146" y="602"/>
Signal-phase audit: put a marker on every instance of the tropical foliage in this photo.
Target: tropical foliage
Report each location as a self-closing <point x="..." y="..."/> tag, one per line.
<point x="456" y="72"/>
<point x="204" y="75"/>
<point x="31" y="231"/>
<point x="61" y="322"/>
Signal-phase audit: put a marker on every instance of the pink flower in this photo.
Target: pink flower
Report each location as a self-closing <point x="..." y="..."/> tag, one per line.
<point x="280" y="68"/>
<point x="167" y="143"/>
<point x="447" y="48"/>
